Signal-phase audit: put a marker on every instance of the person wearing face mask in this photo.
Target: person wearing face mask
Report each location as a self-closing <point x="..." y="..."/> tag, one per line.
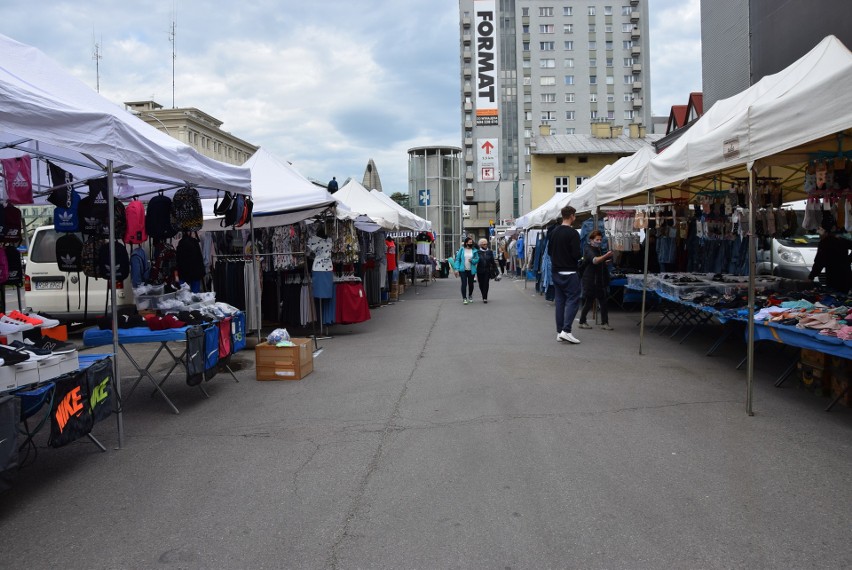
<point x="485" y="269"/>
<point x="464" y="266"/>
<point x="595" y="280"/>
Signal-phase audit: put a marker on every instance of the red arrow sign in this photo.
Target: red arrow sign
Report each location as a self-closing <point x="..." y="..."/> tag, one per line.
<point x="487" y="146"/>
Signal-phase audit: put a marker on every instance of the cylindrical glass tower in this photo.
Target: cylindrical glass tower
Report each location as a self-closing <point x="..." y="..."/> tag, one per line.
<point x="434" y="193"/>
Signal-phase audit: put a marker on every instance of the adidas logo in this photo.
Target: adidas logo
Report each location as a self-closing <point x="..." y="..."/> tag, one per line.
<point x="20" y="181"/>
<point x="69" y="259"/>
<point x="92" y="222"/>
<point x="66" y="217"/>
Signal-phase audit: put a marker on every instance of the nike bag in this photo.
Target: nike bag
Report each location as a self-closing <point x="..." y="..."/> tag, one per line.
<point x="211" y="350"/>
<point x="70" y="417"/>
<point x="99" y="388"/>
<point x="194" y="355"/>
<point x="238" y="328"/>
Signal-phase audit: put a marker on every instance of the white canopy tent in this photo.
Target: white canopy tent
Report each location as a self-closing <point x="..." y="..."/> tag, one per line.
<point x="48" y="113"/>
<point x="358" y="199"/>
<point x="408" y="219"/>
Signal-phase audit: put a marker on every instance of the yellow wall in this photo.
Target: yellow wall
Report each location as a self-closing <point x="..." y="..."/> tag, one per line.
<point x="544" y="169"/>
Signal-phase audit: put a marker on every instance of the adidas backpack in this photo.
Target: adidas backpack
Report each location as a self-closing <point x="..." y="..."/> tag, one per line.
<point x="135" y="231"/>
<point x="187" y="215"/>
<point x="69" y="253"/>
<point x="14" y="266"/>
<point x="65" y="216"/>
<point x="122" y="261"/>
<point x="158" y="218"/>
<point x="13" y="223"/>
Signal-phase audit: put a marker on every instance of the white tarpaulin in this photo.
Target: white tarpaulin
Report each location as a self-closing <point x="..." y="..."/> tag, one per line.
<point x="358" y="199"/>
<point x="808" y="101"/>
<point x="408" y="220"/>
<point x="40" y="101"/>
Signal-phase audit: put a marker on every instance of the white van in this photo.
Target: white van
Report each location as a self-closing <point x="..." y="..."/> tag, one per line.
<point x="63" y="295"/>
<point x="791" y="257"/>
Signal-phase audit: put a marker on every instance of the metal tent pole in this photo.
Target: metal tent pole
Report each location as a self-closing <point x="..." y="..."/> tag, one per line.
<point x="645" y="279"/>
<point x="115" y="377"/>
<point x="254" y="275"/>
<point x="752" y="255"/>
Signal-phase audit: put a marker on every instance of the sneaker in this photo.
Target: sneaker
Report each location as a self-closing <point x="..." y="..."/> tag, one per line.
<point x="47" y="322"/>
<point x="19" y="316"/>
<point x="30" y="355"/>
<point x="53" y="345"/>
<point x="18" y="345"/>
<point x="466" y="302"/>
<point x="8" y="325"/>
<point x="485" y="301"/>
<point x="606" y="327"/>
<point x="11" y="357"/>
<point x="585" y="326"/>
<point x="567" y="337"/>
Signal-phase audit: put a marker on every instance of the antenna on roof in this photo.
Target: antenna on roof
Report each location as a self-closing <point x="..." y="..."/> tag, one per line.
<point x="174" y="55"/>
<point x="97" y="57"/>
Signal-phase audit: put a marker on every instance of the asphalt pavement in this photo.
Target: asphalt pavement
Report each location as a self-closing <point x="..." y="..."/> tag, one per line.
<point x="443" y="435"/>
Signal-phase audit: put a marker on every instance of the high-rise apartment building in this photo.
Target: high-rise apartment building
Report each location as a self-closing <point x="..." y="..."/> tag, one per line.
<point x="527" y="63"/>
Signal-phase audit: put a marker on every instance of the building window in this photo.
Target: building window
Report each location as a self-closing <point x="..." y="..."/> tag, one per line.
<point x="548" y="116"/>
<point x="547" y="63"/>
<point x="569" y="80"/>
<point x="593" y="80"/>
<point x="548" y="97"/>
<point x="627" y="44"/>
<point x="570" y="115"/>
<point x="593" y="62"/>
<point x="628" y="97"/>
<point x="570" y="131"/>
<point x="593" y="46"/>
<point x="526" y="64"/>
<point x="608" y="28"/>
<point x="569" y="97"/>
<point x="527" y="133"/>
<point x="593" y="97"/>
<point x="569" y="46"/>
<point x="609" y="62"/>
<point x="569" y="62"/>
<point x="547" y="80"/>
<point x="567" y="11"/>
<point x="628" y="115"/>
<point x="625" y="10"/>
<point x="545" y="12"/>
<point x="607" y="10"/>
<point x="526" y="46"/>
<point x="593" y="114"/>
<point x="546" y="46"/>
<point x="568" y="28"/>
<point x="580" y="180"/>
<point x="608" y="45"/>
<point x="628" y="80"/>
<point x="545" y="28"/>
<point x="610" y="80"/>
<point x="591" y="28"/>
<point x="627" y="28"/>
<point x="610" y="98"/>
<point x="527" y="98"/>
<point x="610" y="114"/>
<point x="528" y="116"/>
<point x="592" y="11"/>
<point x="628" y="62"/>
<point x="562" y="183"/>
<point x="525" y="29"/>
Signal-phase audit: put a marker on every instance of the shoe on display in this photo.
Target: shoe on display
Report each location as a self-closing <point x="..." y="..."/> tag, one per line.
<point x="11" y="357"/>
<point x="19" y="316"/>
<point x="18" y="345"/>
<point x="8" y="325"/>
<point x="567" y="337"/>
<point x="585" y="326"/>
<point x="47" y="321"/>
<point x="53" y="345"/>
<point x="28" y="353"/>
<point x="606" y="327"/>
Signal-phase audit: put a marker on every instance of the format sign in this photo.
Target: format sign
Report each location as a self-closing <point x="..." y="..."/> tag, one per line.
<point x="485" y="56"/>
<point x="486" y="160"/>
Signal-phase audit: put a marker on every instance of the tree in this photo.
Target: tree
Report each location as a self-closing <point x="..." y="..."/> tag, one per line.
<point x="400" y="198"/>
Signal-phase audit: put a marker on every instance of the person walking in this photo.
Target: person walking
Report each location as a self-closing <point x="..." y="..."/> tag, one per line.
<point x="595" y="280"/>
<point x="564" y="251"/>
<point x="485" y="269"/>
<point x="464" y="265"/>
<point x="502" y="257"/>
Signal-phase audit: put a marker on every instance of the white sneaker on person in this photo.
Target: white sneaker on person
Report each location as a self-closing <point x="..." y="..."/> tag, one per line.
<point x="567" y="337"/>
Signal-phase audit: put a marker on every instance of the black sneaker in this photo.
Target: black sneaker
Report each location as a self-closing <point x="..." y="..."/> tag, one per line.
<point x="11" y="357"/>
<point x="53" y="345"/>
<point x="18" y="345"/>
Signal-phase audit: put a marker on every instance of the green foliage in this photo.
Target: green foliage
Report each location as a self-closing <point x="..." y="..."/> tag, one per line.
<point x="400" y="198"/>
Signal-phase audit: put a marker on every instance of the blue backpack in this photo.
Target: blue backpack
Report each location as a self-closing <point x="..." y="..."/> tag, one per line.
<point x="65" y="218"/>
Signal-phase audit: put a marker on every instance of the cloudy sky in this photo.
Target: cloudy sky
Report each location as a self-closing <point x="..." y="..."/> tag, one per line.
<point x="324" y="84"/>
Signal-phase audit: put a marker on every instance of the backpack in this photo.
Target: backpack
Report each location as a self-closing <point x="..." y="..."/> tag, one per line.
<point x="195" y="355"/>
<point x="70" y="415"/>
<point x="99" y="388"/>
<point x="59" y="177"/>
<point x="187" y="215"/>
<point x="236" y="212"/>
<point x="140" y="270"/>
<point x="190" y="259"/>
<point x="135" y="230"/>
<point x="13" y="222"/>
<point x="98" y="192"/>
<point x="66" y="216"/>
<point x="4" y="267"/>
<point x="211" y="351"/>
<point x="90" y="258"/>
<point x="122" y="261"/>
<point x="164" y="266"/>
<point x="69" y="253"/>
<point x="14" y="266"/>
<point x="219" y="208"/>
<point x="87" y="222"/>
<point x="244" y="219"/>
<point x="158" y="218"/>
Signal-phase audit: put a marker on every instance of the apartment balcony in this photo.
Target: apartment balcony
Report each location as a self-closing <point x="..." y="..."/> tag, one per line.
<point x="467" y="87"/>
<point x="468" y="124"/>
<point x="634" y="2"/>
<point x="467" y="54"/>
<point x="466" y="21"/>
<point x="637" y="68"/>
<point x="468" y="106"/>
<point x="467" y="37"/>
<point x="637" y="102"/>
<point x="468" y="157"/>
<point x="469" y="193"/>
<point x="468" y="141"/>
<point x="637" y="86"/>
<point x="467" y="72"/>
<point x="634" y="16"/>
<point x="635" y="33"/>
<point x="636" y="51"/>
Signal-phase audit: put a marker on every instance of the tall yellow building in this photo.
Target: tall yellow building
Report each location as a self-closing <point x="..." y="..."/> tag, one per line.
<point x="560" y="163"/>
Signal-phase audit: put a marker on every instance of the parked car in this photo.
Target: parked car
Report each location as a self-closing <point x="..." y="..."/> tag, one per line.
<point x="791" y="257"/>
<point x="69" y="297"/>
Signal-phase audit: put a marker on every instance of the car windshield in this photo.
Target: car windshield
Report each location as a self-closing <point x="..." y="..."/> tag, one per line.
<point x="805" y="240"/>
<point x="44" y="247"/>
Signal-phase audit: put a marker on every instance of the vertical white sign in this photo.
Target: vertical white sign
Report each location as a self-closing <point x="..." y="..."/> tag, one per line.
<point x="485" y="61"/>
<point x="486" y="160"/>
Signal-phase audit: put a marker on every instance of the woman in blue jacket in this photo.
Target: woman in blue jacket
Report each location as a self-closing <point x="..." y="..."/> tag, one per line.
<point x="464" y="265"/>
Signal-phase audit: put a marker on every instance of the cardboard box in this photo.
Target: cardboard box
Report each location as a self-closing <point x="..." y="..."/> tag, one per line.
<point x="284" y="362"/>
<point x="814" y="358"/>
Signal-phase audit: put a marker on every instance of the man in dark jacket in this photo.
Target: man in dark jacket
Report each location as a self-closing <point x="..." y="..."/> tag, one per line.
<point x="833" y="256"/>
<point x="564" y="251"/>
<point x="332" y="185"/>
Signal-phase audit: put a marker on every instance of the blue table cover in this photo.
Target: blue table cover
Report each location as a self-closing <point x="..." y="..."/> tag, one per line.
<point x="97" y="337"/>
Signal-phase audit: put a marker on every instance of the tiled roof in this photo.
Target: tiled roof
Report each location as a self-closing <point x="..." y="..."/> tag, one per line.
<point x="587" y="144"/>
<point x="678" y="113"/>
<point x="696" y="101"/>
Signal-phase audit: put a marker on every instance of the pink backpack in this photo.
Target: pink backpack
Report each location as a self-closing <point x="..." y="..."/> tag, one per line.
<point x="135" y="231"/>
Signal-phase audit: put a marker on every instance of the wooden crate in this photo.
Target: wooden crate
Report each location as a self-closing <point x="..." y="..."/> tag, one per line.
<point x="284" y="362"/>
<point x="814" y="358"/>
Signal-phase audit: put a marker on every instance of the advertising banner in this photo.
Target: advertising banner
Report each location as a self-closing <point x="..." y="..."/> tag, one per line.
<point x="485" y="58"/>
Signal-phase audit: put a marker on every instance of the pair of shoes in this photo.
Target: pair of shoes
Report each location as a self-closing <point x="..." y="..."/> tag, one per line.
<point x="585" y="326"/>
<point x="485" y="301"/>
<point x="606" y="327"/>
<point x="35" y="319"/>
<point x="567" y="337"/>
<point x="466" y="301"/>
